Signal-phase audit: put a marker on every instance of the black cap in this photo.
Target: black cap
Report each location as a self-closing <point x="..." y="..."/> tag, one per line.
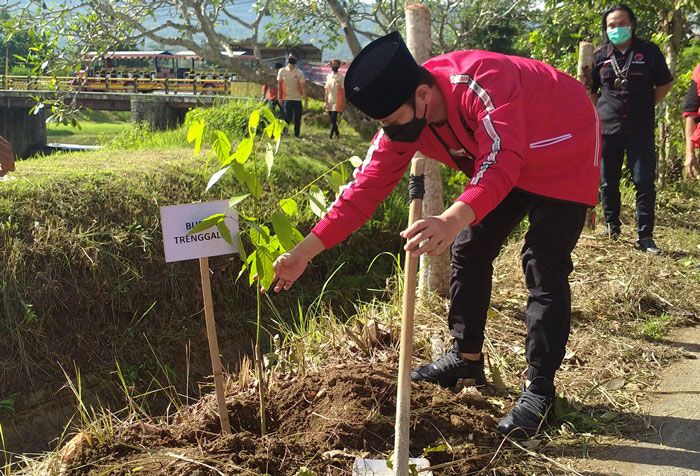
<point x="382" y="77"/>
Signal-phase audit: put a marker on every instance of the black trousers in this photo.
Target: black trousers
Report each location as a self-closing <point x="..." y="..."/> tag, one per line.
<point x="555" y="227"/>
<point x="641" y="161"/>
<point x="292" y="112"/>
<point x="334" y="123"/>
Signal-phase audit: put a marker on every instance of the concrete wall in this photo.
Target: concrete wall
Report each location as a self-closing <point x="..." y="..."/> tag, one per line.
<point x="25" y="131"/>
<point x="156" y="113"/>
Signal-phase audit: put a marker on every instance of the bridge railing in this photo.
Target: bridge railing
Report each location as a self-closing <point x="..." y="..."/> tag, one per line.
<point x="195" y="85"/>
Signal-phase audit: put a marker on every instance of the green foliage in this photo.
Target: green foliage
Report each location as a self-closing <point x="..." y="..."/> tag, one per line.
<point x="228" y="116"/>
<point x="140" y="137"/>
<point x="252" y="169"/>
<point x="656" y="328"/>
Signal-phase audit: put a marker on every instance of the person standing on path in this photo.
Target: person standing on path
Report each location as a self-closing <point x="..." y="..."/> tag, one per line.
<point x="630" y="78"/>
<point x="691" y="113"/>
<point x="335" y="96"/>
<point x="7" y="158"/>
<point x="529" y="138"/>
<point x="292" y="89"/>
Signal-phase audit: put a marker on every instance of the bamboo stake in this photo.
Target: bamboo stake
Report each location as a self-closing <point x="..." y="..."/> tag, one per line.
<point x="216" y="366"/>
<point x="403" y="392"/>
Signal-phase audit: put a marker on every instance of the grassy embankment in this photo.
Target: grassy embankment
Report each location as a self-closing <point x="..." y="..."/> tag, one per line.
<point x="624" y="304"/>
<point x="84" y="284"/>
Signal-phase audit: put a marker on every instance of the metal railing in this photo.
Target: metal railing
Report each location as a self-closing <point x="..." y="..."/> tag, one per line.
<point x="194" y="85"/>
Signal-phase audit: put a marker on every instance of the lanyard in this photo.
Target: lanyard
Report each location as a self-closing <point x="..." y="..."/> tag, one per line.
<point x="459" y="161"/>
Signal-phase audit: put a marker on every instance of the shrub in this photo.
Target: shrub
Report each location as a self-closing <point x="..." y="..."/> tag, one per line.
<point x="229" y="116"/>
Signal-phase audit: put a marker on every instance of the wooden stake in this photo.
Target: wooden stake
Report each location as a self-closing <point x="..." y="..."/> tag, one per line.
<point x="403" y="392"/>
<point x="584" y="73"/>
<point x="216" y="366"/>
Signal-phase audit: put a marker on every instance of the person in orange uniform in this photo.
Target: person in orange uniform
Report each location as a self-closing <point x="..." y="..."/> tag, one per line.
<point x="292" y="89"/>
<point x="335" y="96"/>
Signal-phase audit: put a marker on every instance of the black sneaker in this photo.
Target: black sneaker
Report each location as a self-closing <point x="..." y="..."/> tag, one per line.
<point x="449" y="369"/>
<point x="610" y="231"/>
<point x="528" y="414"/>
<point x="648" y="246"/>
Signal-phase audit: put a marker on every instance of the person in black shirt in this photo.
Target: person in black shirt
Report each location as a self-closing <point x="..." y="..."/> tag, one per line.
<point x="630" y="77"/>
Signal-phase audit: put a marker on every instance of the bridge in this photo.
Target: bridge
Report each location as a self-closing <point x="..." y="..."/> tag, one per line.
<point x="163" y="107"/>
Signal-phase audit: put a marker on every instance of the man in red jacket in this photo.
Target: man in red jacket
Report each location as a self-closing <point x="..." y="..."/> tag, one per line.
<point x="528" y="137"/>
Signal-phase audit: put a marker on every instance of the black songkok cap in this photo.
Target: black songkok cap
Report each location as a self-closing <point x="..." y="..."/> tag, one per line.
<point x="382" y="77"/>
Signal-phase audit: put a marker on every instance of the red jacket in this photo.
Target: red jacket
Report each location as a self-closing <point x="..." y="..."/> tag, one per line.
<point x="523" y="123"/>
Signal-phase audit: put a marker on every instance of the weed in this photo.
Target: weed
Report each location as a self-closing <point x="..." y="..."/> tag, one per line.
<point x="656" y="328"/>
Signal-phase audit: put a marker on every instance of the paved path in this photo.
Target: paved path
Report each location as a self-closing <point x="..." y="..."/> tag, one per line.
<point x="674" y="448"/>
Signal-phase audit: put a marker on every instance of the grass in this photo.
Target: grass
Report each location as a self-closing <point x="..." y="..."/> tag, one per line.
<point x="93" y="128"/>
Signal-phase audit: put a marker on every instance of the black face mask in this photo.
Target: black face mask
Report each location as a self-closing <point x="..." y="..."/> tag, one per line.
<point x="335" y="69"/>
<point x="408" y="132"/>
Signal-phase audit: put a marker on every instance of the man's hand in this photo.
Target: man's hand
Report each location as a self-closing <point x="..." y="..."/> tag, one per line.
<point x="7" y="160"/>
<point x="288" y="267"/>
<point x="692" y="171"/>
<point x="435" y="233"/>
<point x="438" y="232"/>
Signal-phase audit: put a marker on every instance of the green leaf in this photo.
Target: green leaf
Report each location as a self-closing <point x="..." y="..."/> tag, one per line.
<point x="289" y="206"/>
<point x="253" y="122"/>
<point x="259" y="235"/>
<point x="266" y="272"/>
<point x="239" y="172"/>
<point x="269" y="115"/>
<point x="253" y="184"/>
<point x="269" y="159"/>
<point x="208" y="222"/>
<point x="284" y="230"/>
<point x="435" y="449"/>
<point x="195" y="134"/>
<point x="221" y="146"/>
<point x="235" y="200"/>
<point x="253" y="263"/>
<point x="241" y="248"/>
<point x="317" y="201"/>
<point x="216" y="177"/>
<point x="243" y="150"/>
<point x="355" y="161"/>
<point x="225" y="232"/>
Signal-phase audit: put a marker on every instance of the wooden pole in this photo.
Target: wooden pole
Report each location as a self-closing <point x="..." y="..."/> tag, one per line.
<point x="403" y="391"/>
<point x="584" y="73"/>
<point x="216" y="366"/>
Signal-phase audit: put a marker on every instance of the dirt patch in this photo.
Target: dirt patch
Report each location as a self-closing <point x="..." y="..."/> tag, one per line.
<point x="321" y="421"/>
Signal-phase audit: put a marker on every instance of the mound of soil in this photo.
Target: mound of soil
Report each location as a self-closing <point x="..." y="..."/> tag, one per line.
<point x="321" y="421"/>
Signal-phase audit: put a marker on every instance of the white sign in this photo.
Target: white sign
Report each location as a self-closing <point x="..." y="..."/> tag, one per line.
<point x="178" y="220"/>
